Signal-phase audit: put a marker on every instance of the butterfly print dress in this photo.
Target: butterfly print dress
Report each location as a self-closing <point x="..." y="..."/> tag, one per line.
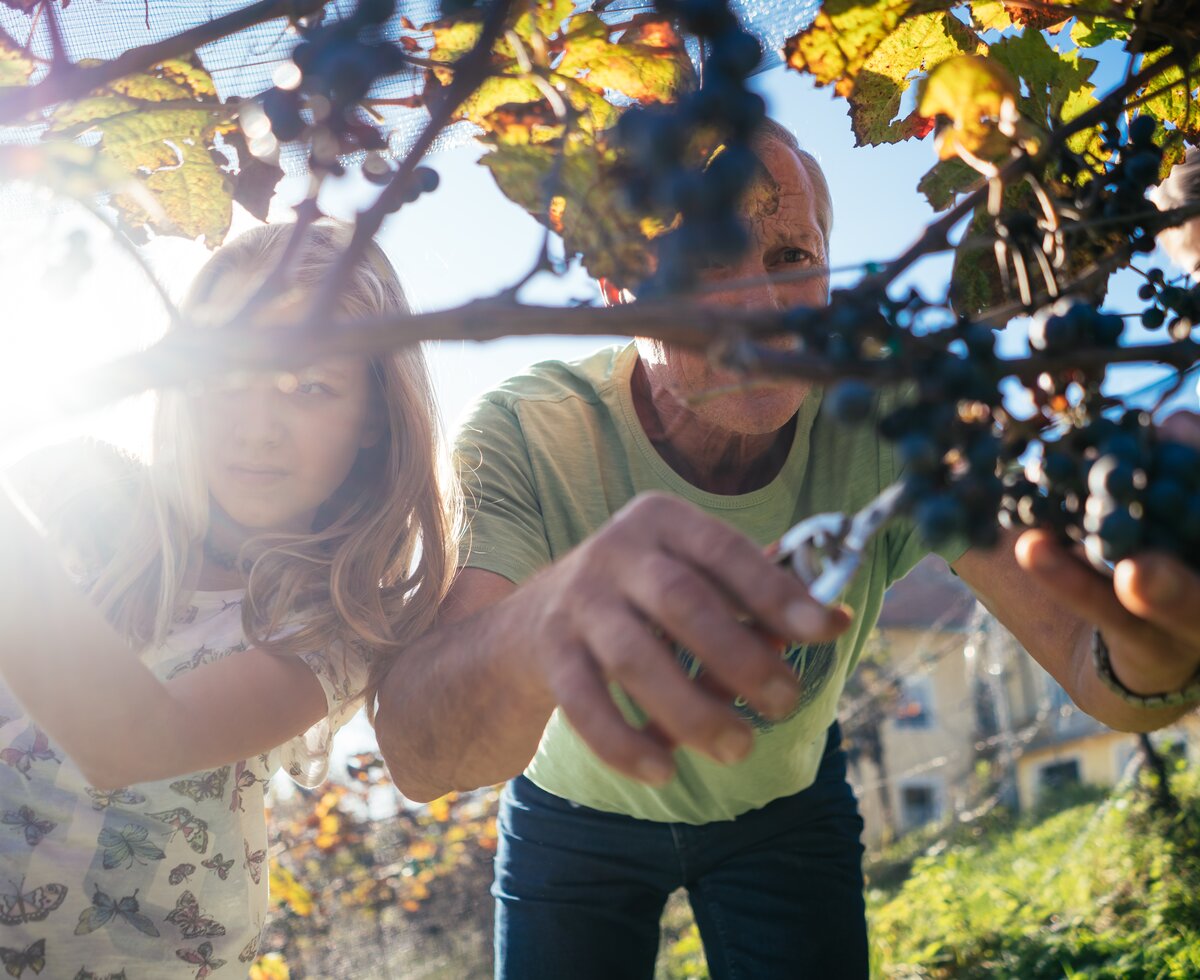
<point x="158" y="880"/>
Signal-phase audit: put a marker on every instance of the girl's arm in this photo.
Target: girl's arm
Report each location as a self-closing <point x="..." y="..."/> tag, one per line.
<point x="106" y="709"/>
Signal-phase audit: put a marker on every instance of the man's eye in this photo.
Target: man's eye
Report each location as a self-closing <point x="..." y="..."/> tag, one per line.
<point x="793" y="255"/>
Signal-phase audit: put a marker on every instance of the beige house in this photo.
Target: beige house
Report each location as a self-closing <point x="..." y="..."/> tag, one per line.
<point x="947" y="714"/>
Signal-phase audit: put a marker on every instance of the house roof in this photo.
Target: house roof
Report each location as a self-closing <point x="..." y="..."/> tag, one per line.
<point x="929" y="597"/>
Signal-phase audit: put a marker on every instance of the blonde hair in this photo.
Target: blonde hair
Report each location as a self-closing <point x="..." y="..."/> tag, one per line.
<point x="374" y="570"/>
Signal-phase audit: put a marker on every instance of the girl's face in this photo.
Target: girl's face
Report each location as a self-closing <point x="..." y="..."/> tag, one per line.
<point x="275" y="448"/>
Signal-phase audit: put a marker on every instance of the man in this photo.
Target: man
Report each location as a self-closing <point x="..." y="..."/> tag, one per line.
<point x="621" y="503"/>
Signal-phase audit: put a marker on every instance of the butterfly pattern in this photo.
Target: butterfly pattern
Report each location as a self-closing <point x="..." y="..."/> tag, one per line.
<point x="194" y="830"/>
<point x="124" y="848"/>
<point x="254" y="862"/>
<point x="201" y="956"/>
<point x="152" y="868"/>
<point x="181" y="873"/>
<point x="218" y="864"/>
<point x="32" y="956"/>
<point x="103" y="799"/>
<point x="243" y="779"/>
<point x="21" y="906"/>
<point x="22" y="759"/>
<point x="191" y="919"/>
<point x="105" y="909"/>
<point x="206" y="786"/>
<point x="250" y="950"/>
<point x="30" y="823"/>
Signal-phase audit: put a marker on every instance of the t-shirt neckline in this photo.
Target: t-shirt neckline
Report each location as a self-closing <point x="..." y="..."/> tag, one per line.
<point x="789" y="475"/>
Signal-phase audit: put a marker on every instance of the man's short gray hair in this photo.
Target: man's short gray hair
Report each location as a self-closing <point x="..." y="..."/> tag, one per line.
<point x="769" y="129"/>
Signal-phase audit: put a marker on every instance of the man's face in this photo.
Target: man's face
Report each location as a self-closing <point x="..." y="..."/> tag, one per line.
<point x="785" y="236"/>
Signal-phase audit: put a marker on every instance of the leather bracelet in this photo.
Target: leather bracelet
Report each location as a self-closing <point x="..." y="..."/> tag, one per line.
<point x="1188" y="695"/>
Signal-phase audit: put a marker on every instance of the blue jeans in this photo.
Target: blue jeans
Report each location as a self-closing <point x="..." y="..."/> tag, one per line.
<point x="777" y="893"/>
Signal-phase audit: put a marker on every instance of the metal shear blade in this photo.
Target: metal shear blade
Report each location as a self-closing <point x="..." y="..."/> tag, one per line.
<point x="825" y="550"/>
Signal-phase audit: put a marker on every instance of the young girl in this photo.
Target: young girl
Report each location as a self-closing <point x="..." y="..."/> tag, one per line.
<point x="288" y="537"/>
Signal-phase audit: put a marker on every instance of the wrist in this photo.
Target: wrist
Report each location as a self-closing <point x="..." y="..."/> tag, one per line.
<point x="1159" y="691"/>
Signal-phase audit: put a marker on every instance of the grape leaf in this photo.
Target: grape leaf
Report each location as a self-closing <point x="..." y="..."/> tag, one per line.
<point x="945" y="180"/>
<point x="834" y="47"/>
<point x="587" y="203"/>
<point x="167" y="149"/>
<point x="991" y="15"/>
<point x="1176" y="104"/>
<point x="647" y="63"/>
<point x="971" y="92"/>
<point x="1095" y="31"/>
<point x="643" y="60"/>
<point x="15" y="65"/>
<point x="919" y="43"/>
<point x="256" y="179"/>
<point x="1051" y="77"/>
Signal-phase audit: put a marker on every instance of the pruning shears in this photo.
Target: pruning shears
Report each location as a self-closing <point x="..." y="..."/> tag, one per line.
<point x="825" y="550"/>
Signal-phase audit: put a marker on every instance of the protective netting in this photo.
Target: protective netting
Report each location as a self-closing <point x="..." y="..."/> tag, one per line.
<point x="243" y="64"/>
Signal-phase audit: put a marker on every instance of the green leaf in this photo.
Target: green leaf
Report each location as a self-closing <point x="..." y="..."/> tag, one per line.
<point x="1051" y="77"/>
<point x="167" y="149"/>
<point x="841" y="38"/>
<point x="15" y="65"/>
<point x="945" y="180"/>
<point x="1096" y="30"/>
<point x="1177" y="103"/>
<point x="918" y="44"/>
<point x="586" y="205"/>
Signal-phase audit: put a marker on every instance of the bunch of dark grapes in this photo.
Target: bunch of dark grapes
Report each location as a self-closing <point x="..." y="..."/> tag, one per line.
<point x="339" y="62"/>
<point x="658" y="141"/>
<point x="1117" y="196"/>
<point x="1176" y="306"/>
<point x="1115" y="486"/>
<point x="949" y="439"/>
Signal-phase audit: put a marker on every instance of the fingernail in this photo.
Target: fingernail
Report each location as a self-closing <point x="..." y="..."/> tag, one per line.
<point x="1162" y="584"/>
<point x="652" y="769"/>
<point x="804" y="618"/>
<point x="779" y="697"/>
<point x="732" y="745"/>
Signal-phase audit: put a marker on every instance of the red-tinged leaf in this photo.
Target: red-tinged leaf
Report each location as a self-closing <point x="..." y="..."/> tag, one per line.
<point x="922" y="125"/>
<point x="1039" y="17"/>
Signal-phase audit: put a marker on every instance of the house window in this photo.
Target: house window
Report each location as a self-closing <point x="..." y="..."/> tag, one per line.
<point x="919" y="805"/>
<point x="1058" y="775"/>
<point x="914" y="707"/>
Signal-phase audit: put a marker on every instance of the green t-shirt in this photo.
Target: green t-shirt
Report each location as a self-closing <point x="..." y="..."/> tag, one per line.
<point x="549" y="456"/>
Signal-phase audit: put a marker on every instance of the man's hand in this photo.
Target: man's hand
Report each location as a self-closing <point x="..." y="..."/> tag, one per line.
<point x="662" y="570"/>
<point x="1149" y="613"/>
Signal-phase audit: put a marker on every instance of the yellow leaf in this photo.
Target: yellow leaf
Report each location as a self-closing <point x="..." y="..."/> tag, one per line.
<point x="973" y="95"/>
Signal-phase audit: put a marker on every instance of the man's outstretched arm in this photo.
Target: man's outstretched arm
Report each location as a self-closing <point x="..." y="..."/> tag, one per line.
<point x="466" y="705"/>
